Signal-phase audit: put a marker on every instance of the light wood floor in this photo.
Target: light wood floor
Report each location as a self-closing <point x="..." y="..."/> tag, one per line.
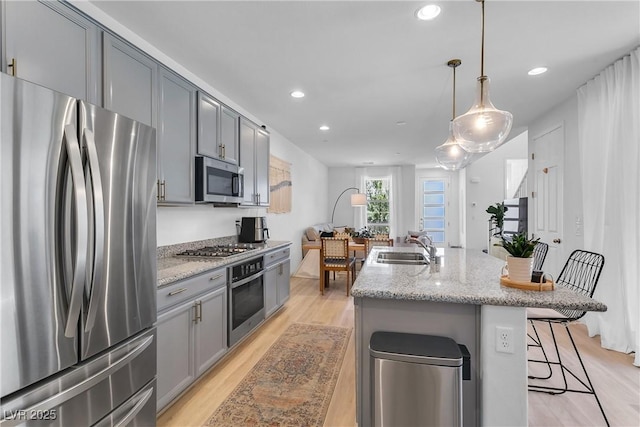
<point x="616" y="380"/>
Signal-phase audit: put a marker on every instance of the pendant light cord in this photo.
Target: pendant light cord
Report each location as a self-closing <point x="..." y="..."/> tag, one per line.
<point x="454" y="63"/>
<point x="453" y="113"/>
<point x="482" y="44"/>
<point x="482" y="77"/>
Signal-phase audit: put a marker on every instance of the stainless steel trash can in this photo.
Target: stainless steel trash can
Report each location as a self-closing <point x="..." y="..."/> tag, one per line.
<point x="416" y="380"/>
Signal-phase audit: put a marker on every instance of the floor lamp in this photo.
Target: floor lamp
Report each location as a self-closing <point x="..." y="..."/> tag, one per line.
<point x="358" y="199"/>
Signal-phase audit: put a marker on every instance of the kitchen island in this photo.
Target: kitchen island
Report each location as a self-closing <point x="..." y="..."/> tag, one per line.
<point x="460" y="297"/>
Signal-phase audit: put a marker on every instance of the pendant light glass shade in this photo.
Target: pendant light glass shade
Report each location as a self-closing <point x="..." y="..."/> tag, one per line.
<point x="483" y="127"/>
<point x="450" y="155"/>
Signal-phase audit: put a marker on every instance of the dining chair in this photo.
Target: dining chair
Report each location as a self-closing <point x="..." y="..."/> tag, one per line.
<point x="376" y="241"/>
<point x="539" y="255"/>
<point x="334" y="256"/>
<point x="580" y="274"/>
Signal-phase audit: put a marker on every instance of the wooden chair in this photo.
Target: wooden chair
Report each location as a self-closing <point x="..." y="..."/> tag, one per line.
<point x="334" y="256"/>
<point x="369" y="243"/>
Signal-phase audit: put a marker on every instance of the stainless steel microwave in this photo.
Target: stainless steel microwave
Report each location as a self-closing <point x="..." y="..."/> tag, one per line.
<point x="218" y="181"/>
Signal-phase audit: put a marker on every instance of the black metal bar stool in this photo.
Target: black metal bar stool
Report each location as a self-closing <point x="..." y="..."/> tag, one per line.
<point x="580" y="274"/>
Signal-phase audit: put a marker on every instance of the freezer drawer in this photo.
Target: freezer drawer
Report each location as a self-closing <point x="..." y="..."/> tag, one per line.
<point x="89" y="392"/>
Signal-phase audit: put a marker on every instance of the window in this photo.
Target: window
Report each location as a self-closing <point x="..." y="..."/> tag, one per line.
<point x="433" y="203"/>
<point x="377" y="191"/>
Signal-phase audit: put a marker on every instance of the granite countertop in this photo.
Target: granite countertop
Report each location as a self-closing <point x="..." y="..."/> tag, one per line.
<point x="171" y="268"/>
<point x="463" y="276"/>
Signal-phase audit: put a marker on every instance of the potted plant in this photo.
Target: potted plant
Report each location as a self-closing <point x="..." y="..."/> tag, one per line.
<point x="520" y="258"/>
<point x="497" y="217"/>
<point x="361" y="234"/>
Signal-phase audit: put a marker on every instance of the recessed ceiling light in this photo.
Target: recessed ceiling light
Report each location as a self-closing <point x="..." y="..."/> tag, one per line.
<point x="401" y="123"/>
<point x="367" y="163"/>
<point x="297" y="94"/>
<point x="324" y="127"/>
<point x="428" y="12"/>
<point x="537" y="70"/>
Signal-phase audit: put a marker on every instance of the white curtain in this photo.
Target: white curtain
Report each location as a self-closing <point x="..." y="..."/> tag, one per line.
<point x="394" y="175"/>
<point x="609" y="139"/>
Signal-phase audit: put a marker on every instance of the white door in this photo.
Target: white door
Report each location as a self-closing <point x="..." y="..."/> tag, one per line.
<point x="548" y="160"/>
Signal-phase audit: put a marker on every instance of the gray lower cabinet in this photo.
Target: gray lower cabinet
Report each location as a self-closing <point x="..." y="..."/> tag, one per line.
<point x="129" y="80"/>
<point x="276" y="280"/>
<point x="283" y="282"/>
<point x="175" y="352"/>
<point x="49" y="44"/>
<point x="192" y="332"/>
<point x="176" y="135"/>
<point x="254" y="158"/>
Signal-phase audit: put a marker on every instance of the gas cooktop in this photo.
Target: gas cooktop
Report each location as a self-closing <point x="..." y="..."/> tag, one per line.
<point x="218" y="251"/>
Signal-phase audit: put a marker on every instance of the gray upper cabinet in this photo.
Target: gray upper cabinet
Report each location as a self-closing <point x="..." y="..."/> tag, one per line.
<point x="129" y="81"/>
<point x="229" y="134"/>
<point x="208" y="126"/>
<point x="217" y="129"/>
<point x="262" y="166"/>
<point x="254" y="158"/>
<point x="176" y="138"/>
<point x="49" y="44"/>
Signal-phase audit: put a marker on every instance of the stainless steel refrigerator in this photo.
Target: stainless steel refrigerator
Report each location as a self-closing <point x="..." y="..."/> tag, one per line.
<point x="78" y="262"/>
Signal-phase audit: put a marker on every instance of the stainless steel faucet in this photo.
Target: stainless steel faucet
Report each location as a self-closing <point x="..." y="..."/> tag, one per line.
<point x="430" y="248"/>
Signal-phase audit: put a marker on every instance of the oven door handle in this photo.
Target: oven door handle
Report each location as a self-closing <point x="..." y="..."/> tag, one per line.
<point x="246" y="280"/>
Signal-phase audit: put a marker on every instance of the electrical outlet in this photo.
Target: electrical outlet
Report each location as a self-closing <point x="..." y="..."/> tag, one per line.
<point x="504" y="339"/>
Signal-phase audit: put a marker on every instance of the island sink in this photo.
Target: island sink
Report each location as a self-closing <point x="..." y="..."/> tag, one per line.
<point x="412" y="258"/>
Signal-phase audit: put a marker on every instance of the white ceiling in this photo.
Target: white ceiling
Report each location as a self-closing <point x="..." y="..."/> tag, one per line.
<point x="366" y="65"/>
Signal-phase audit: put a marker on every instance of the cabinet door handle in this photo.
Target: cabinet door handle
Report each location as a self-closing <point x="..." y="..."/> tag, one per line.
<point x="195" y="312"/>
<point x="199" y="311"/>
<point x="212" y="278"/>
<point x="224" y="151"/>
<point x="158" y="191"/>
<point x="14" y="67"/>
<point x="164" y="190"/>
<point x="176" y="292"/>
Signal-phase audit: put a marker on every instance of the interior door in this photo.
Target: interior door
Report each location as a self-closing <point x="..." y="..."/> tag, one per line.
<point x="548" y="160"/>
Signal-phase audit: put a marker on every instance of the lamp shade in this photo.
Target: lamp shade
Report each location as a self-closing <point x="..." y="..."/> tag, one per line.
<point x="359" y="199"/>
<point x="483" y="128"/>
<point x="450" y="155"/>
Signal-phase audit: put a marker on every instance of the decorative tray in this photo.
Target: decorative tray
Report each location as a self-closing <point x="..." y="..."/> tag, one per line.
<point x="527" y="286"/>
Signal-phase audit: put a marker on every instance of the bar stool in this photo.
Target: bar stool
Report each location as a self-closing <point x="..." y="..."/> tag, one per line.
<point x="580" y="274"/>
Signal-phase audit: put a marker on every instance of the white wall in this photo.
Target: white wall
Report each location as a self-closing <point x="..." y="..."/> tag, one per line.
<point x="344" y="177"/>
<point x="566" y="114"/>
<point x="484" y="186"/>
<point x="189" y="223"/>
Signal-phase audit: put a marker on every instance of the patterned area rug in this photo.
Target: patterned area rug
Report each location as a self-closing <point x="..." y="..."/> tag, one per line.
<point x="292" y="384"/>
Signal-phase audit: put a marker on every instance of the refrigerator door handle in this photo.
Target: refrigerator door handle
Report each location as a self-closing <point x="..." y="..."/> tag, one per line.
<point x="97" y="279"/>
<point x="81" y="217"/>
<point x="58" y="399"/>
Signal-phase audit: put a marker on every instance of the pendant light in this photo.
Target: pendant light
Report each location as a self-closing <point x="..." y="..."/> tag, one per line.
<point x="483" y="127"/>
<point x="451" y="155"/>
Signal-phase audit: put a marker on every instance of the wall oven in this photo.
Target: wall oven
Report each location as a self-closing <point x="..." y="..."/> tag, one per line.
<point x="218" y="181"/>
<point x="246" y="298"/>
